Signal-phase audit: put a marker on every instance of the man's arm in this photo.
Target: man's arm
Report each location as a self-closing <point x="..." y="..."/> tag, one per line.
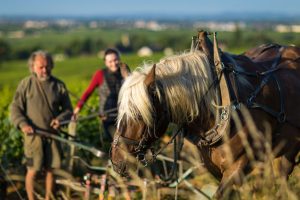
<point x="66" y="106"/>
<point x="18" y="109"/>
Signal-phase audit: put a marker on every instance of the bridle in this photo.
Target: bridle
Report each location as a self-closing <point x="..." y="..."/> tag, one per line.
<point x="141" y="146"/>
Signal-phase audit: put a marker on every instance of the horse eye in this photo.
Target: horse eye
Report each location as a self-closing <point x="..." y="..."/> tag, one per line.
<point x="123" y="126"/>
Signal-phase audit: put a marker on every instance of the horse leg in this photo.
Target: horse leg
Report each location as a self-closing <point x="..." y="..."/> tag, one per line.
<point x="286" y="166"/>
<point x="232" y="175"/>
<point x="287" y="161"/>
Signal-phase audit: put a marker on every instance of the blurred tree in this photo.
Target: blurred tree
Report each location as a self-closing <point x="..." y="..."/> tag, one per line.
<point x="98" y="44"/>
<point x="87" y="46"/>
<point x="237" y="37"/>
<point x="258" y="39"/>
<point x="138" y="41"/>
<point x="288" y="38"/>
<point x="176" y="42"/>
<point x="23" y="53"/>
<point x="4" y="50"/>
<point x="73" y="48"/>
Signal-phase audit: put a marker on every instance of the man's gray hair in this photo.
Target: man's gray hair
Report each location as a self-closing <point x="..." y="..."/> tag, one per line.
<point x="42" y="53"/>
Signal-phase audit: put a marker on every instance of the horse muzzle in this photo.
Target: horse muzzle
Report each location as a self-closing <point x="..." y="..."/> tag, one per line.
<point x="121" y="169"/>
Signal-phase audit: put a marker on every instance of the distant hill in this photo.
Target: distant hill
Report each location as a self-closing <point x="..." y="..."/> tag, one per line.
<point x="225" y="16"/>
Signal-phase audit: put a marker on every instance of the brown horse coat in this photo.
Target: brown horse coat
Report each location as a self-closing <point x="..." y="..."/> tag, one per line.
<point x="135" y="135"/>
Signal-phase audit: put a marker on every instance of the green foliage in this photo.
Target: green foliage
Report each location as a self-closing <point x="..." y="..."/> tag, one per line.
<point x="11" y="148"/>
<point x="78" y="47"/>
<point x="4" y="50"/>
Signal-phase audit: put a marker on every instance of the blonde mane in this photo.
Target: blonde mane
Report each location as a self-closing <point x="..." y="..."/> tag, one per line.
<point x="184" y="80"/>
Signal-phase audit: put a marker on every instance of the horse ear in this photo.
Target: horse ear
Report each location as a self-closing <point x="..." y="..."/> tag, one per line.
<point x="150" y="78"/>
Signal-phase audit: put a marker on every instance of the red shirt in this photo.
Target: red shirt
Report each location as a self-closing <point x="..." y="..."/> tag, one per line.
<point x="96" y="81"/>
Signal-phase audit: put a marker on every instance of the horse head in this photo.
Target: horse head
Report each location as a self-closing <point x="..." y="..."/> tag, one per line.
<point x="137" y="133"/>
<point x="176" y="89"/>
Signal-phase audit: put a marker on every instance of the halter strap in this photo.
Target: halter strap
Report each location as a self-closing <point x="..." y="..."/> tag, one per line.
<point x="119" y="138"/>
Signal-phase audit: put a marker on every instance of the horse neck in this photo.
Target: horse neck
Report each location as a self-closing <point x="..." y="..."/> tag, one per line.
<point x="200" y="125"/>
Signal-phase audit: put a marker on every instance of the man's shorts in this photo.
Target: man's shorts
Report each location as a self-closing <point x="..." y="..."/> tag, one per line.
<point x="41" y="152"/>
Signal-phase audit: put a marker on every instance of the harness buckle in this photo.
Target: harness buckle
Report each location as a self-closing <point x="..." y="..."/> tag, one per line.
<point x="203" y="143"/>
<point x="224" y="115"/>
<point x="115" y="141"/>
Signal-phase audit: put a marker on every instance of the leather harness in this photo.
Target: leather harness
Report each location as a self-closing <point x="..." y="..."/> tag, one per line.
<point x="227" y="97"/>
<point x="224" y="72"/>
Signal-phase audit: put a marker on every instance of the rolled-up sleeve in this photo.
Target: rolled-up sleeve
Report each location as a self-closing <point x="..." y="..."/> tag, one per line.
<point x="18" y="107"/>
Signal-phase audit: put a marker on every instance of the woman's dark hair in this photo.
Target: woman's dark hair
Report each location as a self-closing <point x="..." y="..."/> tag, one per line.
<point x="111" y="51"/>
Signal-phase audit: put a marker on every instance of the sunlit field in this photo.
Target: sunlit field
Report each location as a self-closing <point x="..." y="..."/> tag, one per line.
<point x="194" y="181"/>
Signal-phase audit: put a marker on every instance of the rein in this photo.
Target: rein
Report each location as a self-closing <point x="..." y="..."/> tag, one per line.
<point x="141" y="146"/>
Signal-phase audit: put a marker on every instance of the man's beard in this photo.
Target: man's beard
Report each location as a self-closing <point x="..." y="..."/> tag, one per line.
<point x="43" y="78"/>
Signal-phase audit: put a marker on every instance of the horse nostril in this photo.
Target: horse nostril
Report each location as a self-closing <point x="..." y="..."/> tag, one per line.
<point x="123" y="171"/>
<point x="140" y="157"/>
<point x="120" y="168"/>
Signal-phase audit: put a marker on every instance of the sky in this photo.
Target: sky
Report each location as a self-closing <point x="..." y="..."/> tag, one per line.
<point x="86" y="8"/>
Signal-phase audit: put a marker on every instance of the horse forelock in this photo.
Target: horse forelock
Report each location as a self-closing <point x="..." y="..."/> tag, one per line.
<point x="134" y="103"/>
<point x="184" y="79"/>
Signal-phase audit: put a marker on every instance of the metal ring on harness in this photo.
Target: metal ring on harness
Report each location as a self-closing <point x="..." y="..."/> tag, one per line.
<point x="224" y="114"/>
<point x="281" y="117"/>
<point x="250" y="101"/>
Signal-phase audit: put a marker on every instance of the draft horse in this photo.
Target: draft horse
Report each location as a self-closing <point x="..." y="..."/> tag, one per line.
<point x="203" y="96"/>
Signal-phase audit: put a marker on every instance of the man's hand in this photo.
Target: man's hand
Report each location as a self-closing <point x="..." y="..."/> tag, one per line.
<point x="27" y="129"/>
<point x="103" y="117"/>
<point x="55" y="124"/>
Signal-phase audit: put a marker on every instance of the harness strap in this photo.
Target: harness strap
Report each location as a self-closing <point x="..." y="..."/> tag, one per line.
<point x="125" y="140"/>
<point x="280" y="116"/>
<point x="231" y="78"/>
<point x="223" y="101"/>
<point x="227" y="94"/>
